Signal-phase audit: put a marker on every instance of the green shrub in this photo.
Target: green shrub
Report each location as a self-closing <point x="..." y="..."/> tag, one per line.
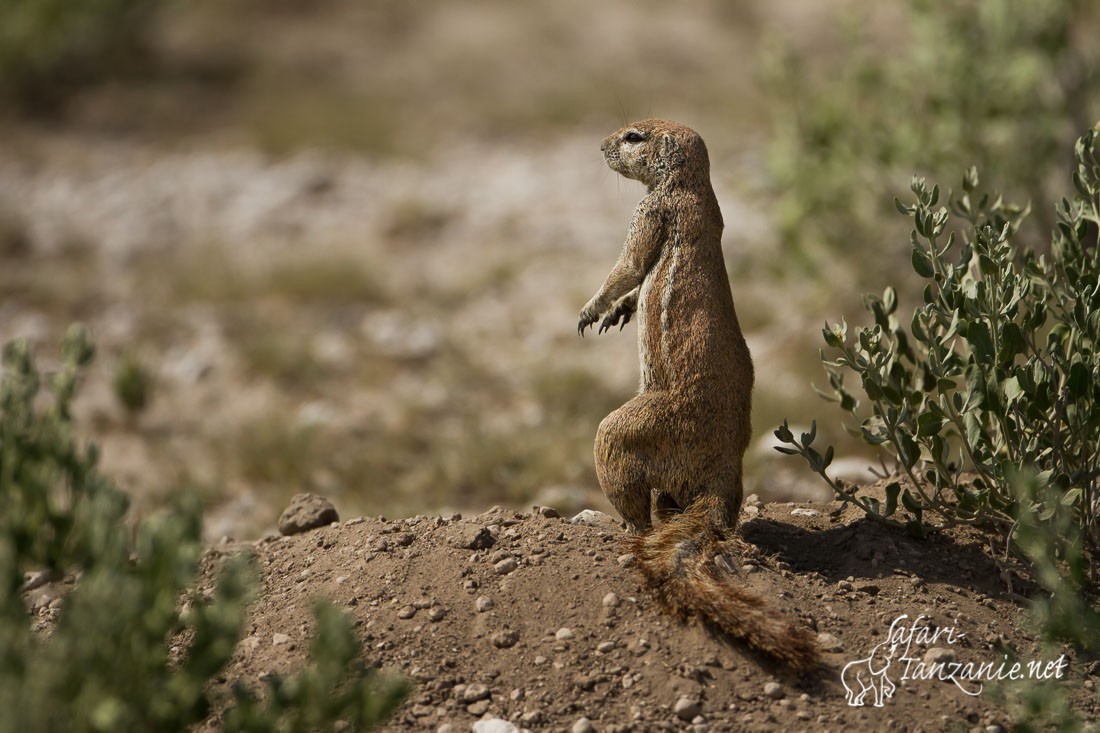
<point x="1002" y="84"/>
<point x="998" y="369"/>
<point x="106" y="664"/>
<point x="133" y="383"/>
<point x="1051" y="539"/>
<point x="49" y="46"/>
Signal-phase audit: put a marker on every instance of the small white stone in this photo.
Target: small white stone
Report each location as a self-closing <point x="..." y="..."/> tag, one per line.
<point x="494" y="725"/>
<point x="583" y="725"/>
<point x="774" y="690"/>
<point x="937" y="655"/>
<point x="687" y="708"/>
<point x="564" y="634"/>
<point x="475" y="692"/>
<point x="829" y="643"/>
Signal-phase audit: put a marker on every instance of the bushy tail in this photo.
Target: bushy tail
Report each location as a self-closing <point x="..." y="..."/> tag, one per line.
<point x="677" y="561"/>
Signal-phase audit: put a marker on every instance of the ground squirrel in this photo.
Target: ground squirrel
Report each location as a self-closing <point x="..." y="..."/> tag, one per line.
<point x="680" y="441"/>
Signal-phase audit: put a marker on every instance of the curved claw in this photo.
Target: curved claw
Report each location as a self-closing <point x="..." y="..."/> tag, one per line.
<point x="584" y="323"/>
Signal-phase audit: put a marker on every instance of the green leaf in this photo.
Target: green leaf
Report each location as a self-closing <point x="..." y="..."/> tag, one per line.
<point x="1012" y="343"/>
<point x="889" y="300"/>
<point x="1079" y="381"/>
<point x="908" y="452"/>
<point x="970" y="179"/>
<point x="977" y="335"/>
<point x="974" y="432"/>
<point x="892" y="491"/>
<point x="921" y="263"/>
<point x="928" y="424"/>
<point x="911" y="504"/>
<point x="808" y="438"/>
<point x="875" y="507"/>
<point x="833" y="336"/>
<point x="1012" y="390"/>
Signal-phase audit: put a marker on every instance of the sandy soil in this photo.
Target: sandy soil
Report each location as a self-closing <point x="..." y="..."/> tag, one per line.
<point x="548" y="625"/>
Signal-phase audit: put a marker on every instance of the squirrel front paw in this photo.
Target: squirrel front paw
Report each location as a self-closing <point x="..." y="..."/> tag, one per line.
<point x="621" y="313"/>
<point x="619" y="316"/>
<point x="588" y="317"/>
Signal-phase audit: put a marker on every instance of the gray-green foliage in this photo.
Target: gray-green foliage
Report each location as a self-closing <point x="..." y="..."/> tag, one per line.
<point x="999" y="368"/>
<point x="106" y="665"/>
<point x="47" y="46"/>
<point x="1050" y="536"/>
<point x="1003" y="84"/>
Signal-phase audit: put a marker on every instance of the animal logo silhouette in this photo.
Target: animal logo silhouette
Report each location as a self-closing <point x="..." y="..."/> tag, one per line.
<point x="869" y="675"/>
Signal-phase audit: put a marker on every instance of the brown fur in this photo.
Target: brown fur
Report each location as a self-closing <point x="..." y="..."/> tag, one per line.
<point x="681" y="440"/>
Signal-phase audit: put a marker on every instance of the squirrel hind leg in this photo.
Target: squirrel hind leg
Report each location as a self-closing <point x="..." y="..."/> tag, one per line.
<point x="624" y="485"/>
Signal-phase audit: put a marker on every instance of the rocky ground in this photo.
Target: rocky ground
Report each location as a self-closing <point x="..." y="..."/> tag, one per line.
<point x="533" y="619"/>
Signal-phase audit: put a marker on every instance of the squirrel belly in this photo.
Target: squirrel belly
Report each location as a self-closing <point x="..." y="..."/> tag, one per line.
<point x="678" y="561"/>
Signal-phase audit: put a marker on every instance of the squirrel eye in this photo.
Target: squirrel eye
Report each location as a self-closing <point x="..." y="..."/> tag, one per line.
<point x="633" y="137"/>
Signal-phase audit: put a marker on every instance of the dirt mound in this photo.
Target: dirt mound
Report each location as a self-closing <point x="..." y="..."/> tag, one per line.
<point x="540" y="621"/>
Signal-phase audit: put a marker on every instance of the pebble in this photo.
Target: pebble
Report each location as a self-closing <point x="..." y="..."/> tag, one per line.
<point x="594" y="518"/>
<point x="504" y="639"/>
<point x="279" y="639"/>
<point x="436" y="614"/>
<point x="801" y="512"/>
<point x="938" y="654"/>
<point x="583" y="725"/>
<point x="549" y="512"/>
<point x="584" y="682"/>
<point x="306" y="512"/>
<point x="473" y="537"/>
<point x="495" y="725"/>
<point x="505" y="566"/>
<point x="478" y="708"/>
<point x="475" y="692"/>
<point x="829" y="643"/>
<point x="611" y="601"/>
<point x="483" y="604"/>
<point x="774" y="690"/>
<point x="625" y="561"/>
<point x="564" y="634"/>
<point x="406" y="612"/>
<point x="605" y="647"/>
<point x="687" y="708"/>
<point x="446" y="728"/>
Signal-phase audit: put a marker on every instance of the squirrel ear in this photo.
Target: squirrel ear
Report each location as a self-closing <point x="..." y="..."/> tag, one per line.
<point x="670" y="149"/>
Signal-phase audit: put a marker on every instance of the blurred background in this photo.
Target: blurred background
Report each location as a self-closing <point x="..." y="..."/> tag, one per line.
<point x="340" y="246"/>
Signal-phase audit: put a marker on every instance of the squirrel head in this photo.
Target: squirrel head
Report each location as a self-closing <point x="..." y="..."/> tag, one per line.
<point x="658" y="153"/>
